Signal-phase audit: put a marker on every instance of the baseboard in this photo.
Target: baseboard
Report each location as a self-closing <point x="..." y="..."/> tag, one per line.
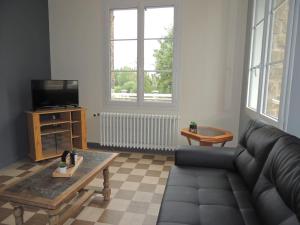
<point x="94" y="145"/>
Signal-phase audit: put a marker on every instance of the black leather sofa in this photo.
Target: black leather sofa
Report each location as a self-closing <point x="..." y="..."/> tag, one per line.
<point x="257" y="183"/>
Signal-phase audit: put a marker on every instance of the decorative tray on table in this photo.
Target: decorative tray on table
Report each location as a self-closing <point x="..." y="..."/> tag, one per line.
<point x="71" y="165"/>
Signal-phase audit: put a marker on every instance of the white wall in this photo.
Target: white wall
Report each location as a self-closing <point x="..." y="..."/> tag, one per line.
<point x="212" y="43"/>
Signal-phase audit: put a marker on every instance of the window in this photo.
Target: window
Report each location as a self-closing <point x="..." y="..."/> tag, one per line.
<point x="269" y="47"/>
<point x="123" y="54"/>
<point x="141" y="51"/>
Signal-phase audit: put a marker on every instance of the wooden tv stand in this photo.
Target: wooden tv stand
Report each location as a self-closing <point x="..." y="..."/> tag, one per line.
<point x="53" y="131"/>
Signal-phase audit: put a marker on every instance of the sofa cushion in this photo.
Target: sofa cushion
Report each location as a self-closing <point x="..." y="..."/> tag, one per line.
<point x="277" y="192"/>
<point x="256" y="145"/>
<point x="202" y="196"/>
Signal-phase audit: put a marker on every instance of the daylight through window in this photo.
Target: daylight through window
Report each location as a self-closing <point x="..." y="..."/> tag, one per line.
<point x="141" y="57"/>
<point x="267" y="61"/>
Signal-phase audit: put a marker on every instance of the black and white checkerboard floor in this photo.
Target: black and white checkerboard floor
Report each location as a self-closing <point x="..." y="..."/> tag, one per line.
<point x="137" y="182"/>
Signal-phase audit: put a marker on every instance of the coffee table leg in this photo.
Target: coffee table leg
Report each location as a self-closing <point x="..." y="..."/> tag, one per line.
<point x="18" y="213"/>
<point x="106" y="190"/>
<point x="53" y="217"/>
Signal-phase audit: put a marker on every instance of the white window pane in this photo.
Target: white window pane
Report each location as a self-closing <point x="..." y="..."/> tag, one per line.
<point x="279" y="32"/>
<point x="159" y="22"/>
<point x="274" y="90"/>
<point x="158" y="86"/>
<point x="123" y="24"/>
<point x="124" y="85"/>
<point x="257" y="44"/>
<point x="123" y="55"/>
<point x="158" y="54"/>
<point x="278" y="3"/>
<point x="259" y="10"/>
<point x="253" y="88"/>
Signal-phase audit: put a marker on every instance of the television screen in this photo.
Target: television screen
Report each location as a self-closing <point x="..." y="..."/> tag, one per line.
<point x="54" y="93"/>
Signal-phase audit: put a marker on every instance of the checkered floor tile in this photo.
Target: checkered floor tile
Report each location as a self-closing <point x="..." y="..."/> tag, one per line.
<point x="137" y="181"/>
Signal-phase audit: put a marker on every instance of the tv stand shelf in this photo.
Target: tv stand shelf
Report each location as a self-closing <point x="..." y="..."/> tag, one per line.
<point x="52" y="131"/>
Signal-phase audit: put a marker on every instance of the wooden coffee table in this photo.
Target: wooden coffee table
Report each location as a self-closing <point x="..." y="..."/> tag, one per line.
<point x="207" y="136"/>
<point x="42" y="191"/>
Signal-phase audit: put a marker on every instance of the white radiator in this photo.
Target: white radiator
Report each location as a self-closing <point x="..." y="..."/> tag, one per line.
<point x="141" y="131"/>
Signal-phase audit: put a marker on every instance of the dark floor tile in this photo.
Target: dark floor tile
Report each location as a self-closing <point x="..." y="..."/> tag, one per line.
<point x="4" y="213"/>
<point x="115" y="183"/>
<point x="125" y="194"/>
<point x="162" y="181"/>
<point x="134" y="178"/>
<point x="166" y="168"/>
<point x="37" y="219"/>
<point x="148" y="157"/>
<point x="124" y="170"/>
<point x="4" y="178"/>
<point x="26" y="166"/>
<point x="122" y="154"/>
<point x="24" y="174"/>
<point x="116" y="164"/>
<point x="132" y="160"/>
<point x="142" y="166"/>
<point x="111" y="217"/>
<point x="147" y="187"/>
<point x="170" y="158"/>
<point x="98" y="202"/>
<point x="158" y="162"/>
<point x="31" y="209"/>
<point x="153" y="173"/>
<point x="82" y="222"/>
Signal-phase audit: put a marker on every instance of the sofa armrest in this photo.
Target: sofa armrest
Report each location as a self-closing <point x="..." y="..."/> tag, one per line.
<point x="211" y="157"/>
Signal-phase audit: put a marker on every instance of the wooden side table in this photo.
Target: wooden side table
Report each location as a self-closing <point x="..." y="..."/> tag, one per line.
<point x="207" y="136"/>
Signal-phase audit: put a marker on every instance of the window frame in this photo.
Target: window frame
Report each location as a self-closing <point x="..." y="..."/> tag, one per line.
<point x="141" y="5"/>
<point x="281" y="122"/>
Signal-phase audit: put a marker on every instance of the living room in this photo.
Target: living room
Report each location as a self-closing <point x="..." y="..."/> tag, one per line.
<point x="151" y="78"/>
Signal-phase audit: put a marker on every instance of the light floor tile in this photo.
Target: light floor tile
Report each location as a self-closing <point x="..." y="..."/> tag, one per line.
<point x="145" y="161"/>
<point x="132" y="219"/>
<point x="113" y="169"/>
<point x="150" y="180"/>
<point x="142" y="196"/>
<point x="159" y="189"/>
<point x="128" y="165"/>
<point x="139" y="172"/>
<point x="7" y="206"/>
<point x="131" y="186"/>
<point x="118" y="204"/>
<point x="11" y="172"/>
<point x="97" y="182"/>
<point x="153" y="209"/>
<point x="164" y="174"/>
<point x="119" y="177"/>
<point x="156" y="167"/>
<point x="120" y="159"/>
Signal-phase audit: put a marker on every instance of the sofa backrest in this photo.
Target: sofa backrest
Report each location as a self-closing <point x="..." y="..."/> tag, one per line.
<point x="256" y="144"/>
<point x="277" y="191"/>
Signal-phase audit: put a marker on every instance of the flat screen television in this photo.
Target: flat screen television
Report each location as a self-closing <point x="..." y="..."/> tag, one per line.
<point x="54" y="93"/>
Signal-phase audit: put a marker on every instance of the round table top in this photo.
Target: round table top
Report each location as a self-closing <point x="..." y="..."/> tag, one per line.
<point x="208" y="134"/>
